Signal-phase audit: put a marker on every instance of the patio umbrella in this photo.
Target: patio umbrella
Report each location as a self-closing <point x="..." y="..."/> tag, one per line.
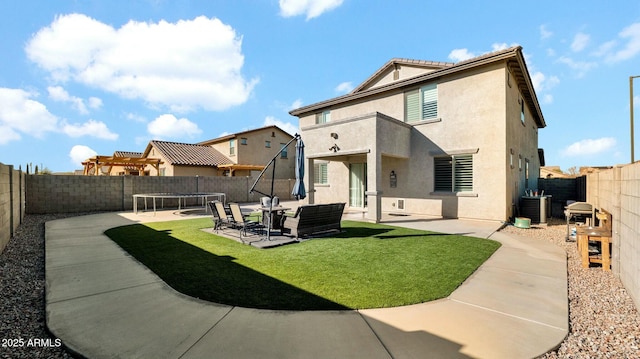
<point x="299" y="191"/>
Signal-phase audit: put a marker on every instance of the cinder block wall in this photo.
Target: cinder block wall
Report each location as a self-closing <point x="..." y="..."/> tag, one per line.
<point x="72" y="194"/>
<point x="618" y="191"/>
<point x="561" y="190"/>
<point x="12" y="195"/>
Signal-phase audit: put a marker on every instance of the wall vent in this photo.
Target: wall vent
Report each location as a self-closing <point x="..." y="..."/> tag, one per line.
<point x="401" y="204"/>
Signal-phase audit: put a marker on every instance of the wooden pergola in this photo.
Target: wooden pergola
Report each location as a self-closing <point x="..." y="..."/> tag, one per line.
<point x="97" y="162"/>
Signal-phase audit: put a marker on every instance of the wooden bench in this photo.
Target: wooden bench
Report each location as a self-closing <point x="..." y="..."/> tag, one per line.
<point x="597" y="235"/>
<point x="314" y="218"/>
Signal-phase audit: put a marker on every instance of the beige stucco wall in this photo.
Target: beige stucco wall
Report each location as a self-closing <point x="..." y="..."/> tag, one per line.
<point x="255" y="151"/>
<point x="522" y="139"/>
<point x="478" y="114"/>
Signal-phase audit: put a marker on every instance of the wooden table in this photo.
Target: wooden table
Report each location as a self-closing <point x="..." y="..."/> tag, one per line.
<point x="597" y="234"/>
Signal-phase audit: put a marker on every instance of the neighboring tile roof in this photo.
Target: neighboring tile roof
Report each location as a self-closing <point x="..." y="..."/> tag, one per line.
<point x="238" y="134"/>
<point x="127" y="154"/>
<point x="189" y="154"/>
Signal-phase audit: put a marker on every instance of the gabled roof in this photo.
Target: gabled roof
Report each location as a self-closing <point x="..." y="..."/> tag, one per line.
<point x="393" y="64"/>
<point x="240" y="134"/>
<point x="187" y="154"/>
<point x="512" y="56"/>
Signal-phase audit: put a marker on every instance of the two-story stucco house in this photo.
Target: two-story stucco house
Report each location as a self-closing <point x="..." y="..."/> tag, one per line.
<point x="455" y="140"/>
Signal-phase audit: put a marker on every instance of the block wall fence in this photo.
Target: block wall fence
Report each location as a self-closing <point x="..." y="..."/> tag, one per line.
<point x="12" y="202"/>
<point x="617" y="190"/>
<point x="70" y="194"/>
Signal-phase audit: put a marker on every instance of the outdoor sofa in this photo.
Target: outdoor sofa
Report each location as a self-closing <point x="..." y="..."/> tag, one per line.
<point x="313" y="218"/>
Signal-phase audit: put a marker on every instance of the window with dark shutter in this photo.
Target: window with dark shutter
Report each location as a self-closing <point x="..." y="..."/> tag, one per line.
<point x="453" y="173"/>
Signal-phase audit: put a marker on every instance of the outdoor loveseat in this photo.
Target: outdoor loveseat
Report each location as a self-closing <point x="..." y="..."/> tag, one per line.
<point x="314" y="218"/>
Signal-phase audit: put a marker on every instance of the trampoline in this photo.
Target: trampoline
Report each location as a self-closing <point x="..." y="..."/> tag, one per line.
<point x="181" y="197"/>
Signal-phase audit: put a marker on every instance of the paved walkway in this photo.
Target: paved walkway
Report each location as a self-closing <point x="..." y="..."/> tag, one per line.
<point x="103" y="303"/>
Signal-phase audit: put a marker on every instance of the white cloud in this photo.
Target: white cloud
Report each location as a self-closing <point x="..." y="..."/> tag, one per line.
<point x="499" y="46"/>
<point x="580" y="67"/>
<point x="547" y="99"/>
<point x="79" y="153"/>
<point x="136" y="118"/>
<point x="589" y="147"/>
<point x="95" y="103"/>
<point x="295" y="105"/>
<point x="91" y="128"/>
<point x="57" y="93"/>
<point x="7" y="134"/>
<point x="544" y="33"/>
<point x="631" y="48"/>
<point x="457" y="55"/>
<point x="310" y="8"/>
<point x="168" y="125"/>
<point x="542" y="82"/>
<point x="19" y="113"/>
<point x="286" y="126"/>
<point x="344" y="87"/>
<point x="580" y="41"/>
<point x="184" y="65"/>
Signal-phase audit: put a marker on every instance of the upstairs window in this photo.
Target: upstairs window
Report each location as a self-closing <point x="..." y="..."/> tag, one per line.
<point x="453" y="173"/>
<point x="421" y="104"/>
<point x="283" y="154"/>
<point x="323" y="117"/>
<point x="320" y="173"/>
<point x="267" y="144"/>
<point x="232" y="147"/>
<point x="243" y="141"/>
<point x="522" y="110"/>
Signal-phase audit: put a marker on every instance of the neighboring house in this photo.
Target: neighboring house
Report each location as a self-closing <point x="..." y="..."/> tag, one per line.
<point x="249" y="151"/>
<point x="124" y="168"/>
<point x="184" y="159"/>
<point x="432" y="138"/>
<point x="241" y="154"/>
<point x="553" y="172"/>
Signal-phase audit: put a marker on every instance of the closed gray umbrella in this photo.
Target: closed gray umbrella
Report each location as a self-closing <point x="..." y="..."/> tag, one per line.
<point x="299" y="192"/>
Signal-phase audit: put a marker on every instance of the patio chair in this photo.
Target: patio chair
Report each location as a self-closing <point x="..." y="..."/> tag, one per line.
<point x="220" y="217"/>
<point x="240" y="222"/>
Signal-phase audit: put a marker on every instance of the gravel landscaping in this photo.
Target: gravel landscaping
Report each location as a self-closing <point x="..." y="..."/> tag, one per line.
<point x="604" y="323"/>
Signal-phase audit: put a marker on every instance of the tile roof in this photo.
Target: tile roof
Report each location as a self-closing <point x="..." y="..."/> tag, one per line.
<point x="127" y="154"/>
<point x="189" y="154"/>
<point x="513" y="56"/>
<point x="238" y="134"/>
<point x="435" y="65"/>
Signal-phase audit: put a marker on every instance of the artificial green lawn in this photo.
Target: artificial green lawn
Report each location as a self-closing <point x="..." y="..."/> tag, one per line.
<point x="366" y="266"/>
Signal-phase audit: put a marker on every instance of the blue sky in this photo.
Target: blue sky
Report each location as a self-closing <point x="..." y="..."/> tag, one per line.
<point x="79" y="78"/>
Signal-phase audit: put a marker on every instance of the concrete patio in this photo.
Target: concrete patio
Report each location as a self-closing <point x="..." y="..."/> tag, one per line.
<point x="103" y="303"/>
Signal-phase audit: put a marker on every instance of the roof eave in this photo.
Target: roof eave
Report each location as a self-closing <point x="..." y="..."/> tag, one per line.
<point x="460" y="66"/>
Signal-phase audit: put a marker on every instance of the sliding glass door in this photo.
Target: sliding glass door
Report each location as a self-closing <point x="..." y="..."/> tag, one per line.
<point x="357" y="185"/>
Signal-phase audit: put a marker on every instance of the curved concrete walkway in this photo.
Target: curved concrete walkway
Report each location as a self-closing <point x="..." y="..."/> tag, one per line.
<point x="103" y="303"/>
